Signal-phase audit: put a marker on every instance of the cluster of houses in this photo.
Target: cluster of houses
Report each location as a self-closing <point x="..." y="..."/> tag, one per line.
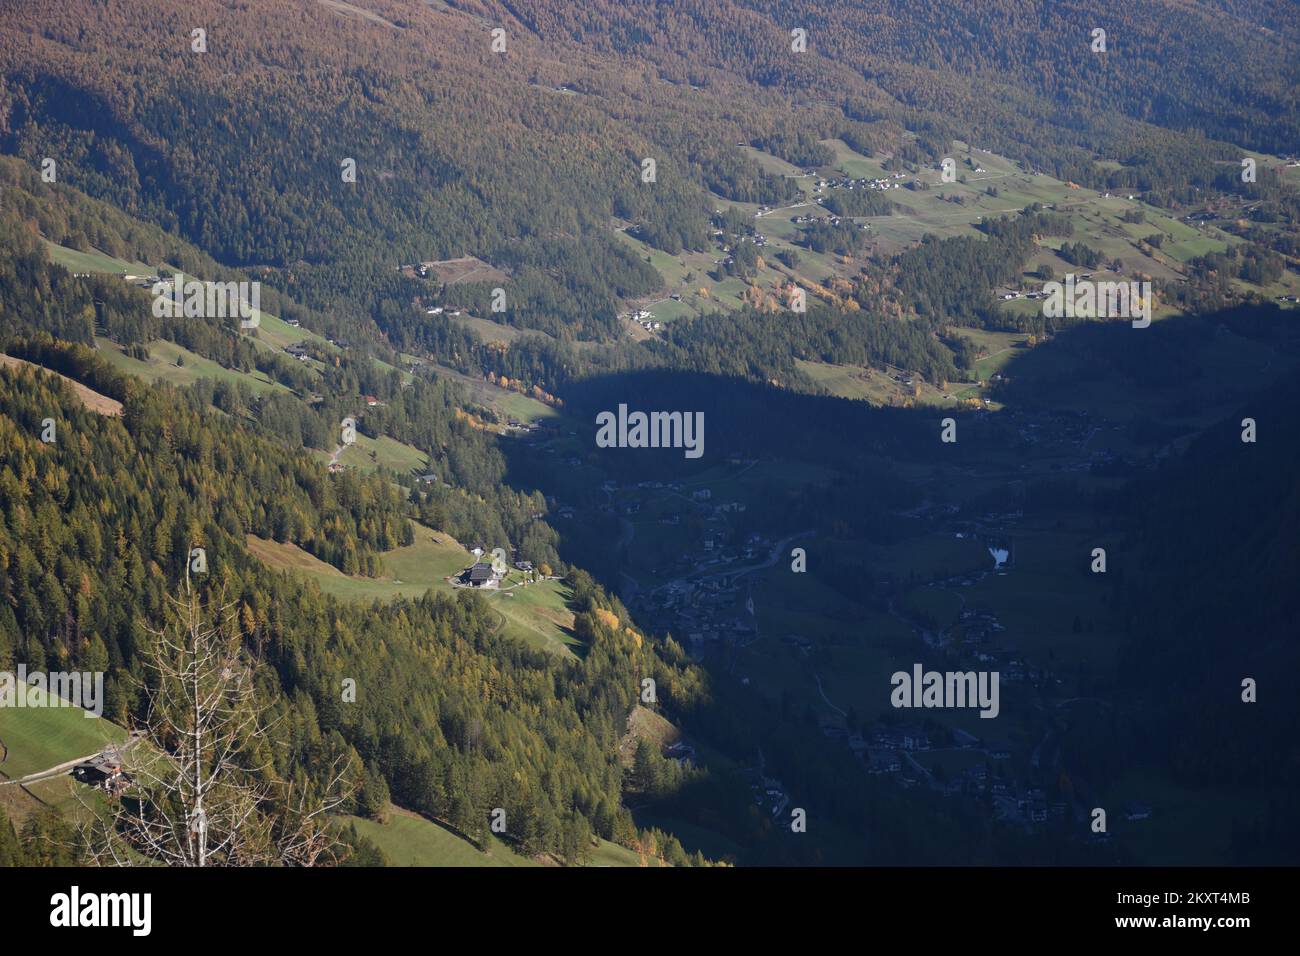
<point x="703" y="600"/>
<point x="1072" y="429"/>
<point x="299" y="351"/>
<point x="646" y="319"/>
<point x="711" y="612"/>
<point x="831" y="220"/>
<point x="486" y="575"/>
<point x="972" y="642"/>
<point x="1008" y="294"/>
<point x="894" y="750"/>
<point x="769" y="793"/>
<point x="144" y="282"/>
<point x="523" y="426"/>
<point x="847" y="182"/>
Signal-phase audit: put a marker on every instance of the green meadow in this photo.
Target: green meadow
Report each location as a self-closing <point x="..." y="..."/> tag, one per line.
<point x="75" y="260"/>
<point x="370" y="454"/>
<point x="537" y="614"/>
<point x="408" y="839"/>
<point x="161" y="367"/>
<point x="37" y="738"/>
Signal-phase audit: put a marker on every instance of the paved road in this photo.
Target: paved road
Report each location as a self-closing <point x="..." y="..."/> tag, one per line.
<point x="773" y="212"/>
<point x="821" y="690"/>
<point x="63" y="768"/>
<point x="772" y="559"/>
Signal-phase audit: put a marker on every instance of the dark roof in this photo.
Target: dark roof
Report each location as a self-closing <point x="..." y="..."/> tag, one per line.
<point x="480" y="572"/>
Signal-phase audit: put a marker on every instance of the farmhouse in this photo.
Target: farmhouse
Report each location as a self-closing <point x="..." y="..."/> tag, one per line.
<point x="481" y="575"/>
<point x="680" y="751"/>
<point x="103" y="770"/>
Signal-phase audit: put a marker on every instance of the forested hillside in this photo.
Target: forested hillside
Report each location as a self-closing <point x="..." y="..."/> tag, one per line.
<point x="829" y="229"/>
<point x="99" y="527"/>
<point x="522" y="157"/>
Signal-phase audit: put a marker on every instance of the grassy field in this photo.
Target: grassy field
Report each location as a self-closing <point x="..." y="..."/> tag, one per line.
<point x="988" y="186"/>
<point x="851" y="655"/>
<point x="90" y="398"/>
<point x="999" y="348"/>
<point x="611" y="854"/>
<point x="277" y="333"/>
<point x="771" y="164"/>
<point x="410" y="571"/>
<point x="537" y="614"/>
<point x="521" y="408"/>
<point x="879" y="387"/>
<point x="370" y="454"/>
<point x="411" y="840"/>
<point x="162" y="367"/>
<point x="506" y="403"/>
<point x="856" y="650"/>
<point x="76" y="261"/>
<point x="852" y="163"/>
<point x="490" y="331"/>
<point x="36" y="738"/>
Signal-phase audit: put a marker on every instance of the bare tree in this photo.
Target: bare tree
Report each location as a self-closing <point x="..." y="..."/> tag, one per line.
<point x="203" y="790"/>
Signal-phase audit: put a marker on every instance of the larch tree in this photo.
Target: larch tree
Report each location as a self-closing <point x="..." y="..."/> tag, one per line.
<point x="202" y="789"/>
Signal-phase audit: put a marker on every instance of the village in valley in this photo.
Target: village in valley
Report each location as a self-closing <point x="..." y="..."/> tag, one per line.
<point x="717" y="593"/>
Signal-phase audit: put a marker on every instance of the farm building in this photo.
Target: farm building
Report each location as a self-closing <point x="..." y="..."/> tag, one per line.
<point x="481" y="575"/>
